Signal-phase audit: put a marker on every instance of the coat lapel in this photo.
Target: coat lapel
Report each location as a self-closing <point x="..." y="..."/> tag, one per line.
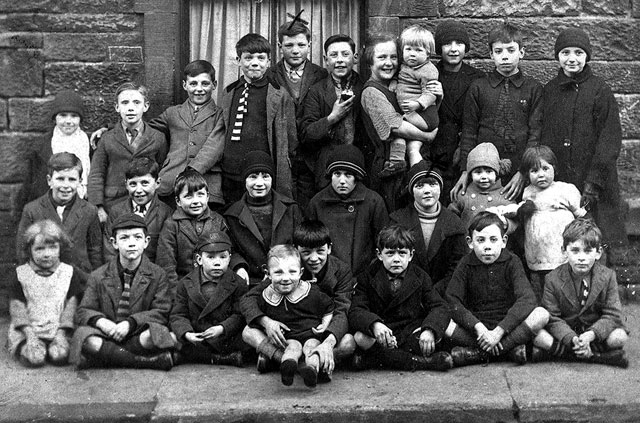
<point x="204" y="113"/>
<point x="192" y="285"/>
<point x="247" y="220"/>
<point x="221" y="293"/>
<point x="568" y="289"/>
<point x="75" y="214"/>
<point x="185" y="113"/>
<point x="330" y="93"/>
<point x="409" y="286"/>
<point x="114" y="288"/>
<point x="597" y="285"/>
<point x="140" y="282"/>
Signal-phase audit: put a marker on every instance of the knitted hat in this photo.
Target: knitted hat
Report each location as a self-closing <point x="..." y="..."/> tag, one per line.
<point x="128" y="221"/>
<point x="573" y="37"/>
<point x="67" y="101"/>
<point x="448" y="31"/>
<point x="486" y="155"/>
<point x="346" y="157"/>
<point x="258" y="161"/>
<point x="420" y="170"/>
<point x="214" y="243"/>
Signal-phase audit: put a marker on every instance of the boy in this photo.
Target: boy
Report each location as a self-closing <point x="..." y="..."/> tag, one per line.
<point x="333" y="277"/>
<point x="267" y="123"/>
<point x="582" y="299"/>
<point x="190" y="222"/>
<point x="453" y="45"/>
<point x="492" y="303"/>
<point x="397" y="316"/>
<point x="141" y="183"/>
<point x="124" y="313"/>
<point x="331" y="113"/>
<point x="76" y="216"/>
<point x="127" y="141"/>
<point x="503" y="108"/>
<point x="581" y="124"/>
<point x="353" y="213"/>
<point x="206" y="316"/>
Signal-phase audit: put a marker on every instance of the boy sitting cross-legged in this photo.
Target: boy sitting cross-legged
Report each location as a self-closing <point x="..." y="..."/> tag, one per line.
<point x="582" y="299"/>
<point x="124" y="313"/>
<point x="397" y="316"/>
<point x="492" y="303"/>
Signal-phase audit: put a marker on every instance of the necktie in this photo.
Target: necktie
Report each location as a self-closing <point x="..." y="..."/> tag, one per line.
<point x="505" y="117"/>
<point x="60" y="211"/>
<point x="242" y="109"/>
<point x="295" y="75"/>
<point x="123" y="305"/>
<point x="133" y="133"/>
<point x="141" y="210"/>
<point x="396" y="283"/>
<point x="584" y="292"/>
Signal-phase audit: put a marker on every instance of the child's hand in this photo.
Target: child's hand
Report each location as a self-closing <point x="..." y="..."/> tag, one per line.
<point x="427" y="342"/>
<point x="121" y="330"/>
<point x="102" y="214"/>
<point x="275" y="331"/>
<point x="435" y="87"/>
<point x="384" y="335"/>
<point x="212" y="332"/>
<point x="106" y="326"/>
<point x="489" y="340"/>
<point x="95" y="137"/>
<point x="194" y="338"/>
<point x="587" y="337"/>
<point x="513" y="190"/>
<point x="319" y="329"/>
<point x="410" y="106"/>
<point x="460" y="188"/>
<point x="340" y="109"/>
<point x="242" y="272"/>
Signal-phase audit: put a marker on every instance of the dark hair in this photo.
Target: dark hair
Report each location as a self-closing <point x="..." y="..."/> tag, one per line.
<point x="373" y="41"/>
<point x="291" y="29"/>
<point x="142" y="166"/>
<point x="340" y="38"/>
<point x="532" y="157"/>
<point x="192" y="180"/>
<point x="584" y="230"/>
<point x="485" y="219"/>
<point x="253" y="43"/>
<point x="63" y="161"/>
<point x="50" y="231"/>
<point x="311" y="234"/>
<point x="114" y="232"/>
<point x="505" y="33"/>
<point x="133" y="87"/>
<point x="197" y="67"/>
<point x="281" y="251"/>
<point x="395" y="237"/>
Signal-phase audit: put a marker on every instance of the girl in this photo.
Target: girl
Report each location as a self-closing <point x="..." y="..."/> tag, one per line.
<point x="552" y="205"/>
<point x="43" y="299"/>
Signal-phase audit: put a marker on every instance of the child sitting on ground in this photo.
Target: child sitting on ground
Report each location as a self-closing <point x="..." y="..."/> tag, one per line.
<point x="304" y="310"/>
<point x="43" y="299"/>
<point x="206" y="316"/>
<point x="396" y="314"/>
<point x="493" y="306"/>
<point x="582" y="299"/>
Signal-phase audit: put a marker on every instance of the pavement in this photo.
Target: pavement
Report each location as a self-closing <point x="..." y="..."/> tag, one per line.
<point x="499" y="392"/>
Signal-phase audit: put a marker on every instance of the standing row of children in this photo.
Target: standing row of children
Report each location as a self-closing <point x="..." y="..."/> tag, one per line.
<point x="127" y="303"/>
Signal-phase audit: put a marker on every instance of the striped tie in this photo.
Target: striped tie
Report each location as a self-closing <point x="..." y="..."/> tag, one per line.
<point x="123" y="305"/>
<point x="242" y="109"/>
<point x="584" y="292"/>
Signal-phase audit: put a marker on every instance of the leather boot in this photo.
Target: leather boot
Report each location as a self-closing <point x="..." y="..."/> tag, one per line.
<point x="113" y="355"/>
<point x="518" y="354"/>
<point x="615" y="358"/>
<point x="466" y="356"/>
<point x="309" y="375"/>
<point x="539" y="355"/>
<point x="440" y="361"/>
<point x="287" y="371"/>
<point x="232" y="359"/>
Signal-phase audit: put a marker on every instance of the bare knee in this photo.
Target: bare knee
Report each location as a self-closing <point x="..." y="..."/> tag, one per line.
<point x="145" y="340"/>
<point x="537" y="319"/>
<point x="617" y="338"/>
<point x="253" y="336"/>
<point x="543" y="340"/>
<point x="345" y="347"/>
<point x="92" y="345"/>
<point x="364" y="341"/>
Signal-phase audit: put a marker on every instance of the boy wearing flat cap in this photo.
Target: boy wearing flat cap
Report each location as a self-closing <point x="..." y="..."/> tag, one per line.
<point x="206" y="316"/>
<point x="124" y="313"/>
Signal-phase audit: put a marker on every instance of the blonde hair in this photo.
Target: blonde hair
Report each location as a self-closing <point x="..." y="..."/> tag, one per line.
<point x="49" y="230"/>
<point x="418" y="36"/>
<point x="282" y="251"/>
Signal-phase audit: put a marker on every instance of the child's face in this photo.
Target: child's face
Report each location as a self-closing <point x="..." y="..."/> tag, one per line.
<point x="343" y="182"/>
<point x="426" y="192"/>
<point x="395" y="261"/>
<point x="130" y="243"/>
<point x="131" y="105"/>
<point x="258" y="185"/>
<point x="453" y="53"/>
<point x="193" y="203"/>
<point x="199" y="88"/>
<point x="506" y="57"/>
<point x="487" y="244"/>
<point x="141" y="189"/>
<point x="253" y="65"/>
<point x="483" y="177"/>
<point x="214" y="264"/>
<point x="64" y="185"/>
<point x="294" y="49"/>
<point x="385" y="62"/>
<point x="414" y="55"/>
<point x="68" y="122"/>
<point x="572" y="60"/>
<point x="581" y="257"/>
<point x="314" y="259"/>
<point x="285" y="274"/>
<point x="45" y="254"/>
<point x="340" y="59"/>
<point x="542" y="176"/>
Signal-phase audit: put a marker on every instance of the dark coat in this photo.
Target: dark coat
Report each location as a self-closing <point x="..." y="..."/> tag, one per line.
<point x="338" y="283"/>
<point x="154" y="217"/>
<point x="149" y="302"/>
<point x="312" y="74"/>
<point x="581" y="124"/>
<point x="82" y="226"/>
<point x="416" y="305"/>
<point x="245" y="235"/>
<point x="446" y="246"/>
<point x="192" y="313"/>
<point x="602" y="313"/>
<point x="353" y="222"/>
<point x="111" y="159"/>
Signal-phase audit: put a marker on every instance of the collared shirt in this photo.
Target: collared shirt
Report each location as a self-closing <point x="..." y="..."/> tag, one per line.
<point x="139" y="128"/>
<point x="577" y="282"/>
<point x="294" y="74"/>
<point x="207" y="286"/>
<point x="395" y="281"/>
<point x="195" y="108"/>
<point x="141" y="210"/>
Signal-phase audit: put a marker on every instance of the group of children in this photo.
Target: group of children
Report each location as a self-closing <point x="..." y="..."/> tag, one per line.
<point x="155" y="276"/>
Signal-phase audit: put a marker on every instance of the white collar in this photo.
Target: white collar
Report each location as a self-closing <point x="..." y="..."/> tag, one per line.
<point x="300" y="293"/>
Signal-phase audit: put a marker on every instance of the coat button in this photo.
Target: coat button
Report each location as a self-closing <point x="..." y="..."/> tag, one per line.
<point x="489" y="198"/>
<point x="192" y="143"/>
<point x="473" y="207"/>
<point x="567" y="142"/>
<point x="473" y="196"/>
<point x="351" y="209"/>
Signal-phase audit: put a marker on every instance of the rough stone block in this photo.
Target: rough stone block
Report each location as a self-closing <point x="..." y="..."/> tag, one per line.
<point x="87" y="47"/>
<point x="629" y="115"/>
<point x="67" y="6"/>
<point x="21" y="72"/>
<point x="125" y="54"/>
<point x="606" y="7"/>
<point x="155" y="6"/>
<point x="161" y="30"/>
<point x="383" y="25"/>
<point x="15" y="149"/>
<point x="629" y="169"/>
<point x="13" y="198"/>
<point x="29" y="114"/>
<point x="100" y="79"/>
<point x="622" y="77"/>
<point x="635" y="8"/>
<point x="70" y="22"/>
<point x="481" y="8"/>
<point x="3" y="114"/>
<point x="20" y="40"/>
